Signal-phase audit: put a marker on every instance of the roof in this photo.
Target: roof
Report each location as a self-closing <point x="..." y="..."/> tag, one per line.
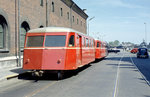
<point x="51" y="29"/>
<point x="72" y="5"/>
<point x="54" y="29"/>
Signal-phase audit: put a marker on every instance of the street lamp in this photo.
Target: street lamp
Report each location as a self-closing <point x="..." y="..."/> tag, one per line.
<point x="88" y="24"/>
<point x="145" y="34"/>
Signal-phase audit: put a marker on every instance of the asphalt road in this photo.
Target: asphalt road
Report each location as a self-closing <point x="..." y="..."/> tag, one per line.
<point x="118" y="75"/>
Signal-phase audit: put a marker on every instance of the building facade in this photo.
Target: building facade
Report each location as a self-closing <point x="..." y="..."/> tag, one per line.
<point x="19" y="16"/>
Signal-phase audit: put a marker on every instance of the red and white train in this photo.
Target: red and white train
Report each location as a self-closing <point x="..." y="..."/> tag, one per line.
<point x="59" y="49"/>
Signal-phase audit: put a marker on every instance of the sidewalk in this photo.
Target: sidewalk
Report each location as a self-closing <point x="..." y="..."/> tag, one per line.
<point x="6" y="73"/>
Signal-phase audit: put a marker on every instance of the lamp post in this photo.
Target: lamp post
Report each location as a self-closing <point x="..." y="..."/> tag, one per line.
<point x="145" y="34"/>
<point x="88" y="24"/>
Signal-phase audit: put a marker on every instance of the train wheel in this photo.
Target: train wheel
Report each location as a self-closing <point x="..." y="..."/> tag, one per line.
<point x="60" y="75"/>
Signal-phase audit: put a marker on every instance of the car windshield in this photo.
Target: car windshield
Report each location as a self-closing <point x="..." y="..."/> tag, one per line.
<point x="142" y="50"/>
<point x="55" y="41"/>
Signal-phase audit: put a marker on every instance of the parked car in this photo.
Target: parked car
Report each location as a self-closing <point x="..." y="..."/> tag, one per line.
<point x="135" y="50"/>
<point x="113" y="50"/>
<point x="142" y="53"/>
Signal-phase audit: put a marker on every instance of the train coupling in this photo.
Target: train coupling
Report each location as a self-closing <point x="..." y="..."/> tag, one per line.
<point x="37" y="73"/>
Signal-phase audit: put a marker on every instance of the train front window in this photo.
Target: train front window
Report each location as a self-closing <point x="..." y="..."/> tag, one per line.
<point x="35" y="41"/>
<point x="98" y="44"/>
<point x="71" y="41"/>
<point x="55" y="41"/>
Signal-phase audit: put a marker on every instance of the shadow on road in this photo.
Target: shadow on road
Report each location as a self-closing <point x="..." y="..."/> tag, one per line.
<point x="52" y="76"/>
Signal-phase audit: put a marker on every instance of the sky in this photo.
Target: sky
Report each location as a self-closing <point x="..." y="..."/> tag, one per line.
<point x="123" y="20"/>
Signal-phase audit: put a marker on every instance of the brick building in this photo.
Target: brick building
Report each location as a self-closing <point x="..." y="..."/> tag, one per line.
<point x="19" y="16"/>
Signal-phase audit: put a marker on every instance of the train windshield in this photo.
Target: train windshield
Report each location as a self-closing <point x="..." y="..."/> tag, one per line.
<point x="55" y="41"/>
<point x="35" y="41"/>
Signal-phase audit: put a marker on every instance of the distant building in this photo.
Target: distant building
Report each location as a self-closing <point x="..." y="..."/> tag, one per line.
<point x="143" y="44"/>
<point x="24" y="15"/>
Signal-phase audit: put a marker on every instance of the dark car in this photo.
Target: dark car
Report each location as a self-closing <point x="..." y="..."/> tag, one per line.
<point x="114" y="51"/>
<point x="142" y="53"/>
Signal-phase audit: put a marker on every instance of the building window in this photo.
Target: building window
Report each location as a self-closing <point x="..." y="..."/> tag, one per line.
<point x="24" y="28"/>
<point x="73" y="19"/>
<point x="1" y="36"/>
<point x="3" y="32"/>
<point x="68" y="15"/>
<point x="61" y="12"/>
<point x="41" y="26"/>
<point x="77" y="21"/>
<point x="41" y="2"/>
<point x="53" y="7"/>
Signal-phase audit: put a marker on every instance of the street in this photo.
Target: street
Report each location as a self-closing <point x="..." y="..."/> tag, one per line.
<point x="118" y="75"/>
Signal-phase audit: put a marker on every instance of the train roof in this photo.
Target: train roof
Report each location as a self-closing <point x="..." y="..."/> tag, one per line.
<point x="51" y="29"/>
<point x="54" y="29"/>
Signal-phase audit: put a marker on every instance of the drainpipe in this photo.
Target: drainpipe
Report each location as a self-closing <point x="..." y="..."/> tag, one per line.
<point x="46" y="13"/>
<point x="16" y="29"/>
<point x="71" y="14"/>
<point x="19" y="31"/>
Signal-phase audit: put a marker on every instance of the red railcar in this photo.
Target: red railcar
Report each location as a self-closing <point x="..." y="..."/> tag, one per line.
<point x="57" y="48"/>
<point x="101" y="50"/>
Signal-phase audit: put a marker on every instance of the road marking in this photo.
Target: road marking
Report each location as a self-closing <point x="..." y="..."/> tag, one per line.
<point x="117" y="78"/>
<point x="40" y="89"/>
<point x="140" y="71"/>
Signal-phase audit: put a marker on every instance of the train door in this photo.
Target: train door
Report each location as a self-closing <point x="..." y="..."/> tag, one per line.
<point x="80" y="46"/>
<point x="79" y="50"/>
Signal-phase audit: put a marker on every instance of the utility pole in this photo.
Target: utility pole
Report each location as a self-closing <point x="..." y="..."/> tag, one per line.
<point x="89" y="25"/>
<point x="145" y="34"/>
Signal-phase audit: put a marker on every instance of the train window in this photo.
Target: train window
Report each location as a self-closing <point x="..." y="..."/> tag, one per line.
<point x="84" y="42"/>
<point x="71" y="41"/>
<point x="101" y="45"/>
<point x="55" y="41"/>
<point x="92" y="43"/>
<point x="87" y="42"/>
<point x="98" y="44"/>
<point x="35" y="41"/>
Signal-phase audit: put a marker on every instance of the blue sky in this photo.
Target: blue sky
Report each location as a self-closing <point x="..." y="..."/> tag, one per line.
<point x="121" y="20"/>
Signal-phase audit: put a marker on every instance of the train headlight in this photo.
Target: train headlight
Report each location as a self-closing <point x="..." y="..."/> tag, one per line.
<point x="58" y="61"/>
<point x="27" y="61"/>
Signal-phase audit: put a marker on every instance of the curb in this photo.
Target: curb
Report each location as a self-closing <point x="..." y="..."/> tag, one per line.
<point x="11" y="76"/>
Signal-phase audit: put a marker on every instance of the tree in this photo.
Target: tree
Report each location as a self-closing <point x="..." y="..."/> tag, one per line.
<point x="116" y="43"/>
